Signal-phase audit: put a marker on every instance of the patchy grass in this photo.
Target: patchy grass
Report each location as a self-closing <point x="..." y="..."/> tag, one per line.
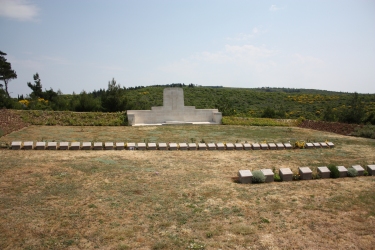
<point x="182" y="200"/>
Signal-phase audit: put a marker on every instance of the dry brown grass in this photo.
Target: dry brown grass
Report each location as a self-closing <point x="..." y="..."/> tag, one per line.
<point x="176" y="199"/>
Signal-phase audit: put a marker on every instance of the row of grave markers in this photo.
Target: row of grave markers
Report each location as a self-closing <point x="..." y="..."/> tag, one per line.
<point x="27" y="145"/>
<point x="305" y="173"/>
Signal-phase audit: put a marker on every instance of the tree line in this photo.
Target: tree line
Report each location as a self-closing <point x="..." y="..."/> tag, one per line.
<point x="282" y="103"/>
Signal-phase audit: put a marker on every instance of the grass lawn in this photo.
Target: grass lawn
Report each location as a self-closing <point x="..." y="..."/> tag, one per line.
<point x="182" y="200"/>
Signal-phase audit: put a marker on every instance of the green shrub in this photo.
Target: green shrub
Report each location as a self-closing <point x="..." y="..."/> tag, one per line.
<point x="276" y="177"/>
<point x="365" y="173"/>
<point x="334" y="171"/>
<point x="352" y="172"/>
<point x="258" y="177"/>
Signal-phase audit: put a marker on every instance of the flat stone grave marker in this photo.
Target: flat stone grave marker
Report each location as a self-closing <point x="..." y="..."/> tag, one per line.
<point x="163" y="146"/>
<point x="98" y="145"/>
<point x="269" y="174"/>
<point x="192" y="146"/>
<point x="28" y="145"/>
<point x="287" y="145"/>
<point x="316" y="144"/>
<point x="16" y="144"/>
<point x="51" y="145"/>
<point x="238" y="146"/>
<point x="172" y="146"/>
<point x="264" y="146"/>
<point x="40" y="145"/>
<point x="305" y="173"/>
<point x="272" y="146"/>
<point x="324" y="172"/>
<point x="360" y="170"/>
<point x="229" y="146"/>
<point x="309" y="145"/>
<point x="202" y="146"/>
<point x="64" y="145"/>
<point x="130" y="146"/>
<point x="74" y="145"/>
<point x="245" y="176"/>
<point x="279" y="145"/>
<point x="371" y="169"/>
<point x="286" y="174"/>
<point x="343" y="171"/>
<point x="330" y="144"/>
<point x="86" y="146"/>
<point x="211" y="146"/>
<point x="247" y="146"/>
<point x="220" y="146"/>
<point x="120" y="146"/>
<point x="183" y="146"/>
<point x="324" y="145"/>
<point x="141" y="146"/>
<point x="108" y="145"/>
<point x="151" y="146"/>
<point x="256" y="146"/>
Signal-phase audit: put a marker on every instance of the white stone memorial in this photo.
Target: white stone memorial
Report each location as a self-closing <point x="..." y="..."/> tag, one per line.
<point x="272" y="146"/>
<point x="309" y="145"/>
<point x="229" y="146"/>
<point x="324" y="172"/>
<point x="202" y="146"/>
<point x="246" y="146"/>
<point x="86" y="145"/>
<point x="151" y="146"/>
<point x="330" y="144"/>
<point x="279" y="145"/>
<point x="120" y="145"/>
<point x="98" y="145"/>
<point x="130" y="146"/>
<point x="173" y="146"/>
<point x="268" y="174"/>
<point x="245" y="176"/>
<point x="28" y="145"/>
<point x="163" y="146"/>
<point x="192" y="146"/>
<point x="40" y="145"/>
<point x="183" y="146"/>
<point x="360" y="170"/>
<point x="74" y="145"/>
<point x="211" y="146"/>
<point x="238" y="146"/>
<point x="286" y="174"/>
<point x="51" y="145"/>
<point x="371" y="169"/>
<point x="141" y="146"/>
<point x="264" y="146"/>
<point x="173" y="111"/>
<point x="287" y="145"/>
<point x="108" y="145"/>
<point x="64" y="145"/>
<point x="220" y="146"/>
<point x="305" y="173"/>
<point x="256" y="146"/>
<point x="343" y="171"/>
<point x="16" y="144"/>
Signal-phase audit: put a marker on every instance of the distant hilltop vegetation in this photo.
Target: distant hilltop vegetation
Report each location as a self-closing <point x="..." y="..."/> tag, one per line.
<point x="265" y="102"/>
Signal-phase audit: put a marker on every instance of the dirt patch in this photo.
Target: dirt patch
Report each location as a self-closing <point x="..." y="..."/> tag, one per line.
<point x="333" y="127"/>
<point x="10" y="121"/>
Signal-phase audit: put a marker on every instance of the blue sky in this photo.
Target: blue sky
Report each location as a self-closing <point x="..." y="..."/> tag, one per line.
<point x="78" y="45"/>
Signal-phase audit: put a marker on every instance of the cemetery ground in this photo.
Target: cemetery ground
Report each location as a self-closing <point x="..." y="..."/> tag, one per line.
<point x="182" y="199"/>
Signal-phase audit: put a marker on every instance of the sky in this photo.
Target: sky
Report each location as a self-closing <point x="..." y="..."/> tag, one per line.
<point x="77" y="45"/>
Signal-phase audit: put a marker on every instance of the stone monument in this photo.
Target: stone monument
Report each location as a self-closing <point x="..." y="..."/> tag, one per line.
<point x="173" y="111"/>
